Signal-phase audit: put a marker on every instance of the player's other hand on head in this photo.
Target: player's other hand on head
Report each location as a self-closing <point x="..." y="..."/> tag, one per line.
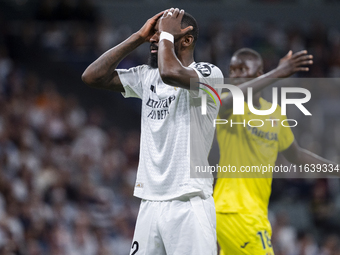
<point x="171" y="22"/>
<point x="292" y="63"/>
<point x="148" y="29"/>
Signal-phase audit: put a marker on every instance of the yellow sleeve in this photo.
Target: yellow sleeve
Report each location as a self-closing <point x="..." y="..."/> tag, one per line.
<point x="286" y="136"/>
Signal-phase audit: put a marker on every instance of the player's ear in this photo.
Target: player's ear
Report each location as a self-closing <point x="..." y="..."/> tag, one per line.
<point x="259" y="72"/>
<point x="187" y="40"/>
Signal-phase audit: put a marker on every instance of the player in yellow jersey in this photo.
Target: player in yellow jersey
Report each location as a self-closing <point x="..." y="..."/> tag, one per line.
<point x="242" y="203"/>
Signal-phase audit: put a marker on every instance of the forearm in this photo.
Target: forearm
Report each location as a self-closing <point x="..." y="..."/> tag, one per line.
<point x="302" y="157"/>
<point x="166" y="59"/>
<point x="170" y="68"/>
<point x="173" y="66"/>
<point x="288" y="65"/>
<point x="307" y="157"/>
<point x="256" y="84"/>
<point x="101" y="72"/>
<point x="261" y="82"/>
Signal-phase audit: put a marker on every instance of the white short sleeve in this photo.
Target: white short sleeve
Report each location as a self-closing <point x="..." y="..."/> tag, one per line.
<point x="208" y="74"/>
<point x="132" y="80"/>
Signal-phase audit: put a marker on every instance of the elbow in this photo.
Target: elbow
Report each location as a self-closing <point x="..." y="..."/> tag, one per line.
<point x="224" y="112"/>
<point x="294" y="154"/>
<point x="168" y="76"/>
<point x="85" y="78"/>
<point x="298" y="158"/>
<point x="226" y="109"/>
<point x="293" y="159"/>
<point x="89" y="79"/>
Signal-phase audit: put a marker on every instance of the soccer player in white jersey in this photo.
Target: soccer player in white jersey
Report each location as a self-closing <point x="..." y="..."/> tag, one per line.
<point x="177" y="213"/>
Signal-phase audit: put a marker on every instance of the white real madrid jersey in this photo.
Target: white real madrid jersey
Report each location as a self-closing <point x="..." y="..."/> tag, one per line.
<point x="169" y="117"/>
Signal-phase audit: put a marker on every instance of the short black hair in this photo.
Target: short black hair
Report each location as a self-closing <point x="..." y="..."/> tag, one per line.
<point x="250" y="53"/>
<point x="189" y="20"/>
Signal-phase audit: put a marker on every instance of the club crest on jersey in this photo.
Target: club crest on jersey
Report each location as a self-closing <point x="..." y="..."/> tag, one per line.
<point x="274" y="121"/>
<point x="204" y="69"/>
<point x="139" y="185"/>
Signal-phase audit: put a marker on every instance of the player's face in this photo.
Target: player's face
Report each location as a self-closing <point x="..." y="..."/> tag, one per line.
<point x="154" y="40"/>
<point x="153" y="60"/>
<point x="242" y="69"/>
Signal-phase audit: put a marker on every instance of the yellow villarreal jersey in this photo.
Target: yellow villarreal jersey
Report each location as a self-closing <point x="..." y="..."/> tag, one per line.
<point x="243" y="147"/>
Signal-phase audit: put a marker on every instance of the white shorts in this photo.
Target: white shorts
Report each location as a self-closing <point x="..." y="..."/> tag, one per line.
<point x="176" y="227"/>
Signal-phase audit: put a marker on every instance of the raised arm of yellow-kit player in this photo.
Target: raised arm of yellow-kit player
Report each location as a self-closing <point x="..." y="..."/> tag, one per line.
<point x="172" y="37"/>
<point x="299" y="156"/>
<point x="102" y="72"/>
<point x="288" y="65"/>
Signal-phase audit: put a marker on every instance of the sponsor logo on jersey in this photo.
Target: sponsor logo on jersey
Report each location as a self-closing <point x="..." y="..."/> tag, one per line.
<point x="265" y="135"/>
<point x="157" y="113"/>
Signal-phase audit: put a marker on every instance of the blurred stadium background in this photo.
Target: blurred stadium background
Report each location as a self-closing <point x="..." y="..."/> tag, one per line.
<point x="68" y="153"/>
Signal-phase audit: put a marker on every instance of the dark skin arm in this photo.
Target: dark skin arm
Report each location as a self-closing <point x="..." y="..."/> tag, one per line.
<point x="288" y="65"/>
<point x="173" y="71"/>
<point x="102" y="72"/>
<point x="299" y="156"/>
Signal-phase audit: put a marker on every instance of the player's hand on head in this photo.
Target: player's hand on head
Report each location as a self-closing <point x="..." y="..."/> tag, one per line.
<point x="171" y="22"/>
<point x="297" y="62"/>
<point x="147" y="30"/>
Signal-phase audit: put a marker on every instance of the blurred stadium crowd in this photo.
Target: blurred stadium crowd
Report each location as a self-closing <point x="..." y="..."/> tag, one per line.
<point x="67" y="175"/>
